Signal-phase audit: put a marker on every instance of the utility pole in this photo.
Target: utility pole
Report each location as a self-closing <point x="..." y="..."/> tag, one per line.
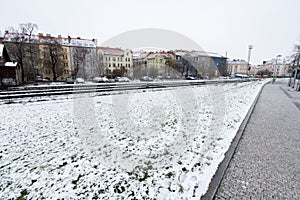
<point x="249" y="54"/>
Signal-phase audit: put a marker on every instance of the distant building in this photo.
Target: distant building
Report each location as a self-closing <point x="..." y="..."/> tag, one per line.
<point x="238" y="67"/>
<point x="200" y="63"/>
<point x="116" y="61"/>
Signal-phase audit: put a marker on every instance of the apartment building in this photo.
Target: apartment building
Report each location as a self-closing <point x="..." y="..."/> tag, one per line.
<point x="84" y="60"/>
<point x="55" y="60"/>
<point x="238" y="67"/>
<point x="115" y="59"/>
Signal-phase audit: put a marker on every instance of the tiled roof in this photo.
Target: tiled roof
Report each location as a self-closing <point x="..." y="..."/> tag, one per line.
<point x="111" y="51"/>
<point x="164" y="54"/>
<point x="40" y="38"/>
<point x="140" y="55"/>
<point x="237" y="62"/>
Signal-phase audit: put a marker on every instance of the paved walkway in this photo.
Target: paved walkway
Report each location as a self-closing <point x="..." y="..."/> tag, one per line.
<point x="266" y="164"/>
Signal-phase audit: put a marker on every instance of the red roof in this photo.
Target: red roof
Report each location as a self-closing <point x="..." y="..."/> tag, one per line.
<point x="111" y="51"/>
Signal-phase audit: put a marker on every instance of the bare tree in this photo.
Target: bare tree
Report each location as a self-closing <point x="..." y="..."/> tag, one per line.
<point x="295" y="64"/>
<point x="99" y="64"/>
<point x="52" y="58"/>
<point x="32" y="48"/>
<point x="79" y="58"/>
<point x="172" y="67"/>
<point x="21" y="46"/>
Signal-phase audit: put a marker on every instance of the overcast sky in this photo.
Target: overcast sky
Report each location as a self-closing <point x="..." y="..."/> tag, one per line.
<point x="271" y="26"/>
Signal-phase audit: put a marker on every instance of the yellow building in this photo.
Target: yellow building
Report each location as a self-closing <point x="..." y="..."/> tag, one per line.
<point x="238" y="67"/>
<point x="157" y="63"/>
<point x="49" y="47"/>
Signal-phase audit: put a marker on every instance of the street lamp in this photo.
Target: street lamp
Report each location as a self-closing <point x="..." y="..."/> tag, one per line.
<point x="249" y="54"/>
<point x="275" y="68"/>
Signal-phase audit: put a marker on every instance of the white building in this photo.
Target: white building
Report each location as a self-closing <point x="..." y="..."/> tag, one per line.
<point x="115" y="59"/>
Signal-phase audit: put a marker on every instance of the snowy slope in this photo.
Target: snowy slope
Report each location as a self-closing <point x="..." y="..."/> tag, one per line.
<point x="156" y="144"/>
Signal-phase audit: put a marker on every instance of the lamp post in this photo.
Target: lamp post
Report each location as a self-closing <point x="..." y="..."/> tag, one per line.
<point x="249" y="54"/>
<point x="275" y="68"/>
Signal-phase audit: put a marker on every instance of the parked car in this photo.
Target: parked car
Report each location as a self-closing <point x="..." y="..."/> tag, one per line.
<point x="40" y="79"/>
<point x="70" y="81"/>
<point x="146" y="78"/>
<point x="8" y="82"/>
<point x="79" y="80"/>
<point x="100" y="80"/>
<point x="122" y="79"/>
<point x="189" y="78"/>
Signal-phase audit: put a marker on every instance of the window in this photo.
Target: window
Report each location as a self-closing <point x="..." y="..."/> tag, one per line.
<point x="114" y="64"/>
<point x="114" y="59"/>
<point x="128" y="65"/>
<point x="125" y="59"/>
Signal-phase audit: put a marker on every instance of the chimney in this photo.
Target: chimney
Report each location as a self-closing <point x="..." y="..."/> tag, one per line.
<point x="48" y="34"/>
<point x="40" y="34"/>
<point x="95" y="41"/>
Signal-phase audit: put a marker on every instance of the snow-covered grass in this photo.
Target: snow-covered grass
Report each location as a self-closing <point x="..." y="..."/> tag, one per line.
<point x="153" y="144"/>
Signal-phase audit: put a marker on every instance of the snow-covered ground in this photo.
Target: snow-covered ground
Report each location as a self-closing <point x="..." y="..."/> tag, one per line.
<point x="153" y="144"/>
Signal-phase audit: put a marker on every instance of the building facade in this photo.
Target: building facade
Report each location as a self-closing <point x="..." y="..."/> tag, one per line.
<point x="83" y="54"/>
<point x="238" y="67"/>
<point x="55" y="60"/>
<point x="116" y="61"/>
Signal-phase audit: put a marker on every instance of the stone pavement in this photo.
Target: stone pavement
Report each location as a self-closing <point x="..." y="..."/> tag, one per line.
<point x="266" y="163"/>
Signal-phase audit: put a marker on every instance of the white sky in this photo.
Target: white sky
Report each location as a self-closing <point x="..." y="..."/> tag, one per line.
<point x="272" y="26"/>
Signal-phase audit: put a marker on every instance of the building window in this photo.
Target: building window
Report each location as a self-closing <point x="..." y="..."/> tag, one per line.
<point x="128" y="65"/>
